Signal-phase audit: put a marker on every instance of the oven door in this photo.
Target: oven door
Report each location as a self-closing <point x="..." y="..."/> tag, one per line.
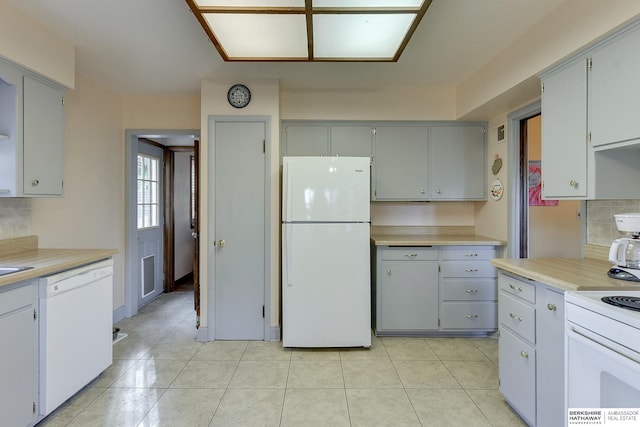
<point x="601" y="373"/>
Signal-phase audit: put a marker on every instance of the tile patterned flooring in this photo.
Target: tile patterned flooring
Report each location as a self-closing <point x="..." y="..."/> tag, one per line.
<point x="162" y="377"/>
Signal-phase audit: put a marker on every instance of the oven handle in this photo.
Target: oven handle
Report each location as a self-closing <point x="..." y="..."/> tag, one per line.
<point x="603" y="344"/>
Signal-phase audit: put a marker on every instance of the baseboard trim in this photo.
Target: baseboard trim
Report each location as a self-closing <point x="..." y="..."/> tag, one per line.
<point x="119" y="314"/>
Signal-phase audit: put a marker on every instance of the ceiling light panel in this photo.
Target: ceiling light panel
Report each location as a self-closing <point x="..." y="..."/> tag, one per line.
<point x="246" y="36"/>
<point x="309" y="30"/>
<point x="359" y="35"/>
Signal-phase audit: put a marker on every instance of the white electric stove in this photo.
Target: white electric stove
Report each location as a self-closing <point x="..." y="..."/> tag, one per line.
<point x="602" y="354"/>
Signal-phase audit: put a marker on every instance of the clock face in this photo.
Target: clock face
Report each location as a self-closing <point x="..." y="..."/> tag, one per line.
<point x="239" y="96"/>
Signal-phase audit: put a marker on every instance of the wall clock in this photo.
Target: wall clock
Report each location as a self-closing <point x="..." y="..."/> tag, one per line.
<point x="239" y="96"/>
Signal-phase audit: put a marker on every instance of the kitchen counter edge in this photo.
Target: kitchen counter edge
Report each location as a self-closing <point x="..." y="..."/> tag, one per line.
<point x="48" y="261"/>
<point x="433" y="240"/>
<point x="566" y="274"/>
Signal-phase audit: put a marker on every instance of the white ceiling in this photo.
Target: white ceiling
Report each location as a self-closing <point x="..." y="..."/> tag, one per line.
<point x="158" y="47"/>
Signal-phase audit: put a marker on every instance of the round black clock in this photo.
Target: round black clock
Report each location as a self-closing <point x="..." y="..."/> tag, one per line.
<point x="239" y="96"/>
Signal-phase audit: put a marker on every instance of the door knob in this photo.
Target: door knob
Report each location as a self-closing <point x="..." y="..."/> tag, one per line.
<point x="220" y="243"/>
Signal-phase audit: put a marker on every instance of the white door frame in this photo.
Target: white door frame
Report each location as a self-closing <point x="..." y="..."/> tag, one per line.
<point x="211" y="234"/>
<point x="130" y="206"/>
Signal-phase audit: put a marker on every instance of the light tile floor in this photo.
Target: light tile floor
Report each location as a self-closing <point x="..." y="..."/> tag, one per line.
<point x="162" y="377"/>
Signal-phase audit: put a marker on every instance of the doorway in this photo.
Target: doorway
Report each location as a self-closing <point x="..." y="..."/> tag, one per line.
<point x="239" y="200"/>
<point x="538" y="228"/>
<point x="138" y="263"/>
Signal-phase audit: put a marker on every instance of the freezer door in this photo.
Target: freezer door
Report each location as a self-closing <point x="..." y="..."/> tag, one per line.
<point x="326" y="295"/>
<point x="326" y="189"/>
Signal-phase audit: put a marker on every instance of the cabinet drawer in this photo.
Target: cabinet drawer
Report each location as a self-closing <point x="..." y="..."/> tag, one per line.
<point x="469" y="315"/>
<point x="467" y="269"/>
<point x="409" y="254"/>
<point x="517" y="316"/>
<point x="468" y="253"/>
<point x="526" y="291"/>
<point x="468" y="290"/>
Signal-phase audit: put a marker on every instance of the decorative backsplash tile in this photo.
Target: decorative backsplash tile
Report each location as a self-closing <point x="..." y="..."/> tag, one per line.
<point x="601" y="226"/>
<point x="15" y="218"/>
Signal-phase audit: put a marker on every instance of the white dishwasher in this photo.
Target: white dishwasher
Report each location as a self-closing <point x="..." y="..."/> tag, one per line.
<point x="76" y="321"/>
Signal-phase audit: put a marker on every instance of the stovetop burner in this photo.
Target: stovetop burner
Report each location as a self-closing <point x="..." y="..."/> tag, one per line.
<point x="630" y="303"/>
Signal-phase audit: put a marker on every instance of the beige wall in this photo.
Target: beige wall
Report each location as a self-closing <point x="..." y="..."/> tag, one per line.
<point x="29" y="44"/>
<point x="161" y="112"/>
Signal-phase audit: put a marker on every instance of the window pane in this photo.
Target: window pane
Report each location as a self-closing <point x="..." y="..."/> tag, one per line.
<point x="147" y="216"/>
<point x="140" y="217"/>
<point x="140" y="160"/>
<point x="146" y="192"/>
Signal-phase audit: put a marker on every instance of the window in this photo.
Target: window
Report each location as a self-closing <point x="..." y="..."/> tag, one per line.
<point x="148" y="191"/>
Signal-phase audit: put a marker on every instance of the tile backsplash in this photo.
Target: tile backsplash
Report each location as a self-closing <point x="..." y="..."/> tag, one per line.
<point x="15" y="218"/>
<point x="601" y="227"/>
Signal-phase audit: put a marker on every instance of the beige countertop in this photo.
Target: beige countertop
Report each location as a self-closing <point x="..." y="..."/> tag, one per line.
<point x="568" y="274"/>
<point x="23" y="253"/>
<point x="389" y="239"/>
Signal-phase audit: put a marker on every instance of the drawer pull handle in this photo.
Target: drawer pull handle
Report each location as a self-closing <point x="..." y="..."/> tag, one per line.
<point x="524" y="354"/>
<point x="471" y="291"/>
<point x="551" y="307"/>
<point x="470" y="255"/>
<point x="513" y="316"/>
<point x="471" y="270"/>
<point x="471" y="316"/>
<point x="411" y="255"/>
<point x="515" y="288"/>
<point x="389" y="271"/>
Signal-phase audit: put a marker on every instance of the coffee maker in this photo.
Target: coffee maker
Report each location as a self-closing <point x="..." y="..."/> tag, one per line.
<point x="625" y="252"/>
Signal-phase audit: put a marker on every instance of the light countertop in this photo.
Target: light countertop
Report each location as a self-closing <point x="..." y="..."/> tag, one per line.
<point x="43" y="261"/>
<point x="389" y="239"/>
<point x="568" y="274"/>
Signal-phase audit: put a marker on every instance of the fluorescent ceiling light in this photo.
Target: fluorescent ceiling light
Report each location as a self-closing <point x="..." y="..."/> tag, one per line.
<point x="309" y="30"/>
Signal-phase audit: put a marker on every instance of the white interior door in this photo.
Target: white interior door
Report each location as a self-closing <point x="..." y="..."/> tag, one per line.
<point x="149" y="222"/>
<point x="239" y="230"/>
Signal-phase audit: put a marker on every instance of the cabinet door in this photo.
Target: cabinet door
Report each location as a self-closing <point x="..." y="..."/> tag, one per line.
<point x="43" y="139"/>
<point x="306" y="140"/>
<point x="518" y="375"/>
<point x="457" y="163"/>
<point x="18" y="359"/>
<point x="351" y="140"/>
<point x="401" y="163"/>
<point x="550" y="356"/>
<point x="407" y="295"/>
<point x="10" y="130"/>
<point x="613" y="91"/>
<point x="564" y="132"/>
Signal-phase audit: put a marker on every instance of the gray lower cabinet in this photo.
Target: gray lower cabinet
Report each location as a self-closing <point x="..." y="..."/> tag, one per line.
<point x="531" y="349"/>
<point x="19" y="366"/>
<point x="434" y="290"/>
<point x="407" y="292"/>
<point x="468" y="289"/>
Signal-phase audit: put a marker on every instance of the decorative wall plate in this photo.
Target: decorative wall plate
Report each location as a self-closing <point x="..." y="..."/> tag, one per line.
<point x="496" y="189"/>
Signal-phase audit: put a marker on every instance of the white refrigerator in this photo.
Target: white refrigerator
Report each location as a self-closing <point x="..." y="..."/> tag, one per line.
<point x="326" y="286"/>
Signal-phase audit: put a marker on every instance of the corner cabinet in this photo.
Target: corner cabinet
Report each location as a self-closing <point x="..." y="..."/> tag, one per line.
<point x="19" y="366"/>
<point x="31" y="134"/>
<point x="433" y="290"/>
<point x="531" y="349"/>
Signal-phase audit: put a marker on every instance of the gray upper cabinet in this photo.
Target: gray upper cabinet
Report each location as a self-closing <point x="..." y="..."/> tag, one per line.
<point x="564" y="132"/>
<point x="613" y="90"/>
<point x="401" y="163"/>
<point x="352" y="140"/>
<point x="306" y="140"/>
<point x="43" y="139"/>
<point x="31" y="134"/>
<point x="458" y="161"/>
<point x="590" y="131"/>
